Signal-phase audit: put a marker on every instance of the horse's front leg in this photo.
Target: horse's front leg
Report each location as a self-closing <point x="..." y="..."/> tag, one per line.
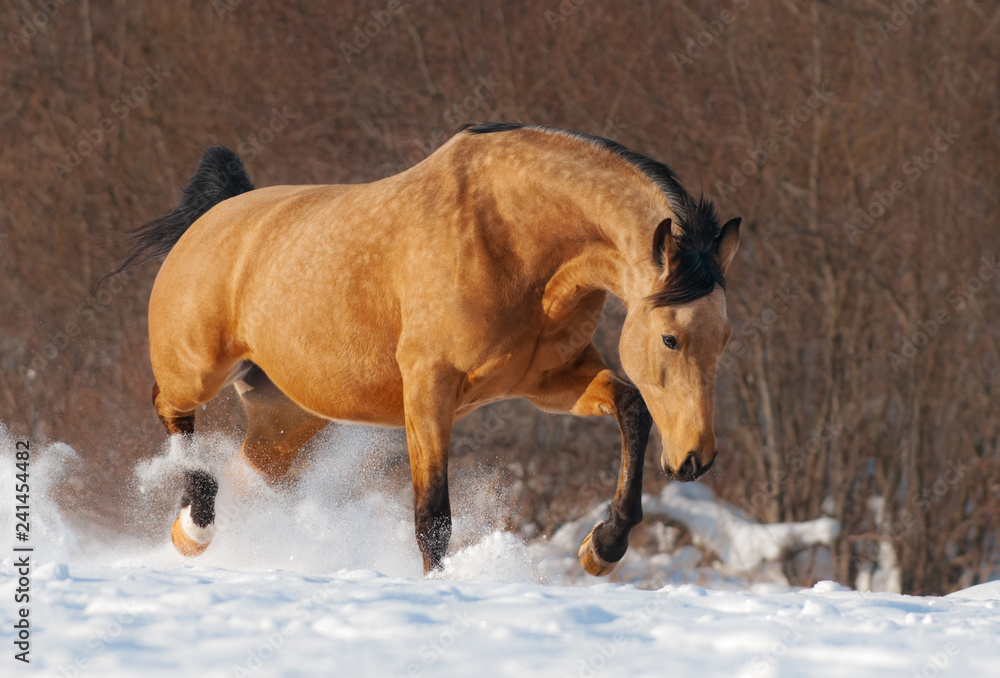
<point x="429" y="401"/>
<point x="607" y="542"/>
<point x="588" y="388"/>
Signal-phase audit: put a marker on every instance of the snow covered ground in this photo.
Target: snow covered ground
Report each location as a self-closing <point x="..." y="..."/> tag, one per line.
<point x="207" y="621"/>
<point x="323" y="580"/>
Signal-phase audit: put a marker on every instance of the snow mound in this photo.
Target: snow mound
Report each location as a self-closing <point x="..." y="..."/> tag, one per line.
<point x="746" y="553"/>
<point x="990" y="591"/>
<point x="741" y="544"/>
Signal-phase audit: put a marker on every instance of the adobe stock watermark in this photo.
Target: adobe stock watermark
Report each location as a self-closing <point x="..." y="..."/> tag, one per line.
<point x="795" y="460"/>
<point x="958" y="298"/>
<point x="579" y="335"/>
<point x="99" y="642"/>
<point x="899" y="17"/>
<point x="431" y="652"/>
<point x="455" y="116"/>
<point x="460" y="110"/>
<point x="565" y="10"/>
<point x="606" y="650"/>
<point x="224" y="7"/>
<point x="599" y="485"/>
<point x="613" y="127"/>
<point x="497" y="419"/>
<point x="368" y="30"/>
<point x="784" y="127"/>
<point x="913" y="169"/>
<point x="6" y="221"/>
<point x="121" y="108"/>
<point x="696" y="45"/>
<point x="780" y="303"/>
<point x="86" y="313"/>
<point x="937" y="662"/>
<point x="33" y="23"/>
<point x="927" y="499"/>
<point x="271" y="643"/>
<point x="254" y="144"/>
<point x="763" y="663"/>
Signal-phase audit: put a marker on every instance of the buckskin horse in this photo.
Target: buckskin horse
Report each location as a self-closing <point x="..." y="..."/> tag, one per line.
<point x="413" y="300"/>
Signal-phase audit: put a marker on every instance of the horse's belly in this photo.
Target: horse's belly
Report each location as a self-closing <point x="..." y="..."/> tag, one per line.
<point x="368" y="391"/>
<point x="349" y="398"/>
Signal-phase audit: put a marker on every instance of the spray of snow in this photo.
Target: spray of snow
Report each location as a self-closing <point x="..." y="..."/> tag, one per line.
<point x="340" y="511"/>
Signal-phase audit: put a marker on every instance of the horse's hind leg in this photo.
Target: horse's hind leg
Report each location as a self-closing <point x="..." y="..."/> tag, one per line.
<point x="182" y="384"/>
<point x="277" y="428"/>
<point x="194" y="527"/>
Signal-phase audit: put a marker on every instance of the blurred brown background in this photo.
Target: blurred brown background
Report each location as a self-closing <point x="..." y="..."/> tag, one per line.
<point x="858" y="140"/>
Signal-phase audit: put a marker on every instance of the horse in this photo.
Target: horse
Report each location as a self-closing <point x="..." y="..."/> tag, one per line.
<point x="413" y="300"/>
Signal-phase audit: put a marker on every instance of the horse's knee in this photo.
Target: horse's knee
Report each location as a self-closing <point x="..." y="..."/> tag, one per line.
<point x="194" y="527"/>
<point x="631" y="408"/>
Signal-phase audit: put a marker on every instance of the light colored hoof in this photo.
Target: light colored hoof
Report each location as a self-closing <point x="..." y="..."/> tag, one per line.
<point x="189" y="539"/>
<point x="588" y="557"/>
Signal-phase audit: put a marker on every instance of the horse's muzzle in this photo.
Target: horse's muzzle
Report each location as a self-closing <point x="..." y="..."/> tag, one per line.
<point x="691" y="469"/>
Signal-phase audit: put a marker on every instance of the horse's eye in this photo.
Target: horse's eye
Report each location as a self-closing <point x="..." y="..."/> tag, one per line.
<point x="670" y="341"/>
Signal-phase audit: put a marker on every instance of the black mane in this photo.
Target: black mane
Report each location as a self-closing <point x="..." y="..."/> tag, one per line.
<point x="694" y="268"/>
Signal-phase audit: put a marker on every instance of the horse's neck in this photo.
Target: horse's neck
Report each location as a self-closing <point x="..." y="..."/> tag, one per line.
<point x="612" y="256"/>
<point x="588" y="212"/>
<point x="602" y="268"/>
<point x="617" y="256"/>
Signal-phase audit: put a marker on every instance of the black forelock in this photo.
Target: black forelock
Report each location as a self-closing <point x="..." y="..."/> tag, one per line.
<point x="694" y="267"/>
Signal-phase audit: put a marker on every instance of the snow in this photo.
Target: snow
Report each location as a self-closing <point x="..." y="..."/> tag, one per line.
<point x="323" y="578"/>
<point x="746" y="550"/>
<point x="209" y="621"/>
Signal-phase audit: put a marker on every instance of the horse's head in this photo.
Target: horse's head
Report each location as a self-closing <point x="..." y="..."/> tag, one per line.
<point x="671" y="345"/>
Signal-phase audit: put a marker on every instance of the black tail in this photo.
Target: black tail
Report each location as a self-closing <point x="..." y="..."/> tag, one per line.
<point x="220" y="176"/>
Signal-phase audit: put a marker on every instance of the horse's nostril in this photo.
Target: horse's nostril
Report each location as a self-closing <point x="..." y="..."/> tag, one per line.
<point x="689" y="470"/>
<point x="705" y="469"/>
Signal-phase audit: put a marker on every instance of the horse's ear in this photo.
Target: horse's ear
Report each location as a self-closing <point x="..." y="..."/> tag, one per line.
<point x="663" y="242"/>
<point x="729" y="242"/>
